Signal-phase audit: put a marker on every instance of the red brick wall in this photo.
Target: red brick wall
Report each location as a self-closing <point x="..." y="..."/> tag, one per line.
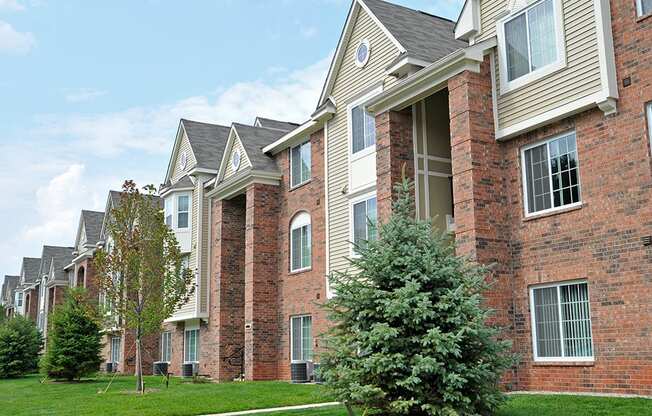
<point x="223" y="337"/>
<point x="176" y="359"/>
<point x="301" y="293"/>
<point x="90" y="279"/>
<point x="32" y="304"/>
<point x="394" y="156"/>
<point x="261" y="282"/>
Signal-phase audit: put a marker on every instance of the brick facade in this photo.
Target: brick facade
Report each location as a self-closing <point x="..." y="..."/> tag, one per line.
<point x="86" y="277"/>
<point x="31" y="304"/>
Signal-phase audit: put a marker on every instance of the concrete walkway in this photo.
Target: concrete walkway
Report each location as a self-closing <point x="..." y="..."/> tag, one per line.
<point x="276" y="409"/>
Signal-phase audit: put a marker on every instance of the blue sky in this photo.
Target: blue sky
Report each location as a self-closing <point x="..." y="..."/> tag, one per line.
<point x="91" y="92"/>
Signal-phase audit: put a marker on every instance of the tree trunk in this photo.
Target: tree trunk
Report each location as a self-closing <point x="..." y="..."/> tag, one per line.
<point x="349" y="409"/>
<point x="139" y="364"/>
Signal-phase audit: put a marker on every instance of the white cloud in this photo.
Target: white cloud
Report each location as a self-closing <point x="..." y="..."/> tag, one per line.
<point x="83" y="94"/>
<point x="58" y="205"/>
<point x="12" y="5"/>
<point x="12" y="41"/>
<point x="292" y="97"/>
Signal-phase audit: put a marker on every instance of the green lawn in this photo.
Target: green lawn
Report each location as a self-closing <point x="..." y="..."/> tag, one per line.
<point x="26" y="396"/>
<point x="536" y="405"/>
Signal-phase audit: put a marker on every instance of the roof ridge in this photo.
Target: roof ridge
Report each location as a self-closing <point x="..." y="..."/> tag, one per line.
<point x="204" y="122"/>
<point x="413" y="10"/>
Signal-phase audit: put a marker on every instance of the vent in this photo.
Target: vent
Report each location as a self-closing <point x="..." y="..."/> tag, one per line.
<point x="160" y="368"/>
<point x="111" y="367"/>
<point x="647" y="240"/>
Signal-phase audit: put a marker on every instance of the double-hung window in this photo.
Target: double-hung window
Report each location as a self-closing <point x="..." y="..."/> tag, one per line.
<point x="363" y="129"/>
<point x="300" y="242"/>
<point x="364" y="218"/>
<point x="551" y="174"/>
<point x="648" y="110"/>
<point x="531" y="42"/>
<point x="300" y="165"/>
<point x="561" y="322"/>
<point x="191" y="344"/>
<point x="166" y="346"/>
<point x="19" y="302"/>
<point x="115" y="349"/>
<point x="644" y="7"/>
<point x="301" y="338"/>
<point x="183" y="207"/>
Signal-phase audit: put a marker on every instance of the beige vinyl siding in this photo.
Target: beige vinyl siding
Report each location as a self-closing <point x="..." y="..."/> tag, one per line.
<point x="205" y="243"/>
<point x="244" y="159"/>
<point x="489" y="11"/>
<point x="580" y="78"/>
<point x="184" y="146"/>
<point x="350" y="83"/>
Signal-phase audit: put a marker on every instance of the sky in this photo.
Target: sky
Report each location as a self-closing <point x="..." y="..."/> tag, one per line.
<point x="91" y="93"/>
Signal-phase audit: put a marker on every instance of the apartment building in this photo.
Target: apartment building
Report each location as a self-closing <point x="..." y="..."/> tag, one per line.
<point x="8" y="293"/>
<point x="54" y="281"/>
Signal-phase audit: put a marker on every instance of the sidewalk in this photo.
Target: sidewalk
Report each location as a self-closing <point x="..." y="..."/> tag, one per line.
<point x="275" y="409"/>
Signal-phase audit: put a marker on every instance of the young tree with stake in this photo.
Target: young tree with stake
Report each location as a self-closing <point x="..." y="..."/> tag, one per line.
<point x="142" y="275"/>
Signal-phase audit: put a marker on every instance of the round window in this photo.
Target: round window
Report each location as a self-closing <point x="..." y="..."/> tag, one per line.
<point x="362" y="53"/>
<point x="183" y="160"/>
<point x="235" y="160"/>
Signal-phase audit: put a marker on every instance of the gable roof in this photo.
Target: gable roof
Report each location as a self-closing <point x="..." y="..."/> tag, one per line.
<point x="253" y="140"/>
<point x="60" y="259"/>
<point x="416" y="35"/>
<point x="423" y="36"/>
<point x="275" y="124"/>
<point x="207" y="142"/>
<point x="30" y="269"/>
<point x="92" y="223"/>
<point x="60" y="255"/>
<point x="10" y="283"/>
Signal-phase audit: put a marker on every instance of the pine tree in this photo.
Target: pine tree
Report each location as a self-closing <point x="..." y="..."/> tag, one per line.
<point x="410" y="334"/>
<point x="20" y="343"/>
<point x="74" y="341"/>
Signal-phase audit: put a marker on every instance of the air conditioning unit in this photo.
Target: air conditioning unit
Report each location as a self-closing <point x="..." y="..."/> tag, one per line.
<point x="310" y="370"/>
<point x="111" y="367"/>
<point x="316" y="374"/>
<point x="299" y="372"/>
<point x="189" y="369"/>
<point x="160" y="368"/>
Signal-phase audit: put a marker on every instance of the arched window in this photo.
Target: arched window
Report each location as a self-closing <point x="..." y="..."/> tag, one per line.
<point x="80" y="277"/>
<point x="300" y="242"/>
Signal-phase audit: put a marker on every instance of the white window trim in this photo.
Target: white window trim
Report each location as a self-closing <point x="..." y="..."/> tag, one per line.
<point x="525" y="184"/>
<point x="349" y="121"/>
<point x="639" y="9"/>
<point x="352" y="202"/>
<point x="291" y="173"/>
<point x="558" y="285"/>
<point x="300" y="220"/>
<point x="292" y="336"/>
<point x="113" y="351"/>
<point x="169" y="336"/>
<point x="559" y="63"/>
<point x="174" y="206"/>
<point x="362" y="64"/>
<point x="185" y="346"/>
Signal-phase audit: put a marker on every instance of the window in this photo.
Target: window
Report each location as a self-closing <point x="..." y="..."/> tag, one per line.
<point x="649" y="122"/>
<point x="362" y="53"/>
<point x="19" y="301"/>
<point x="531" y="42"/>
<point x="115" y="349"/>
<point x="364" y="222"/>
<point x="644" y="7"/>
<point x="168" y="212"/>
<point x="300" y="164"/>
<point x="363" y="129"/>
<point x="301" y="337"/>
<point x="191" y="343"/>
<point x="561" y="322"/>
<point x="183" y="204"/>
<point x="300" y="242"/>
<point x="166" y="346"/>
<point x="551" y="174"/>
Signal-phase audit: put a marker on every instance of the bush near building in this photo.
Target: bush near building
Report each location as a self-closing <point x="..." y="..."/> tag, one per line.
<point x="20" y="343"/>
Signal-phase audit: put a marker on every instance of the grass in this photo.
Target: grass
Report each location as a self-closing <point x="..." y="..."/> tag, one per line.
<point x="26" y="396"/>
<point x="537" y="405"/>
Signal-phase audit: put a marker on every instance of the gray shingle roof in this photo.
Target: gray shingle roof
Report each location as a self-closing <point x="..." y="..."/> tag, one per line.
<point x="8" y="286"/>
<point x="115" y="197"/>
<point x="92" y="225"/>
<point x="275" y="124"/>
<point x="30" y="269"/>
<point x="423" y="35"/>
<point x="182" y="183"/>
<point x="207" y="142"/>
<point x="253" y="140"/>
<point x="61" y="256"/>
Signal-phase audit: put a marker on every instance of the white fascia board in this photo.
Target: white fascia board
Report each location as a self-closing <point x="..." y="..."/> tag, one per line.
<point x="431" y="78"/>
<point x="405" y="65"/>
<point x="196" y="170"/>
<point x="227" y="148"/>
<point x="171" y="191"/>
<point x="292" y="137"/>
<point x="177" y="142"/>
<point x="238" y="186"/>
<point x="606" y="49"/>
<point x="468" y="22"/>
